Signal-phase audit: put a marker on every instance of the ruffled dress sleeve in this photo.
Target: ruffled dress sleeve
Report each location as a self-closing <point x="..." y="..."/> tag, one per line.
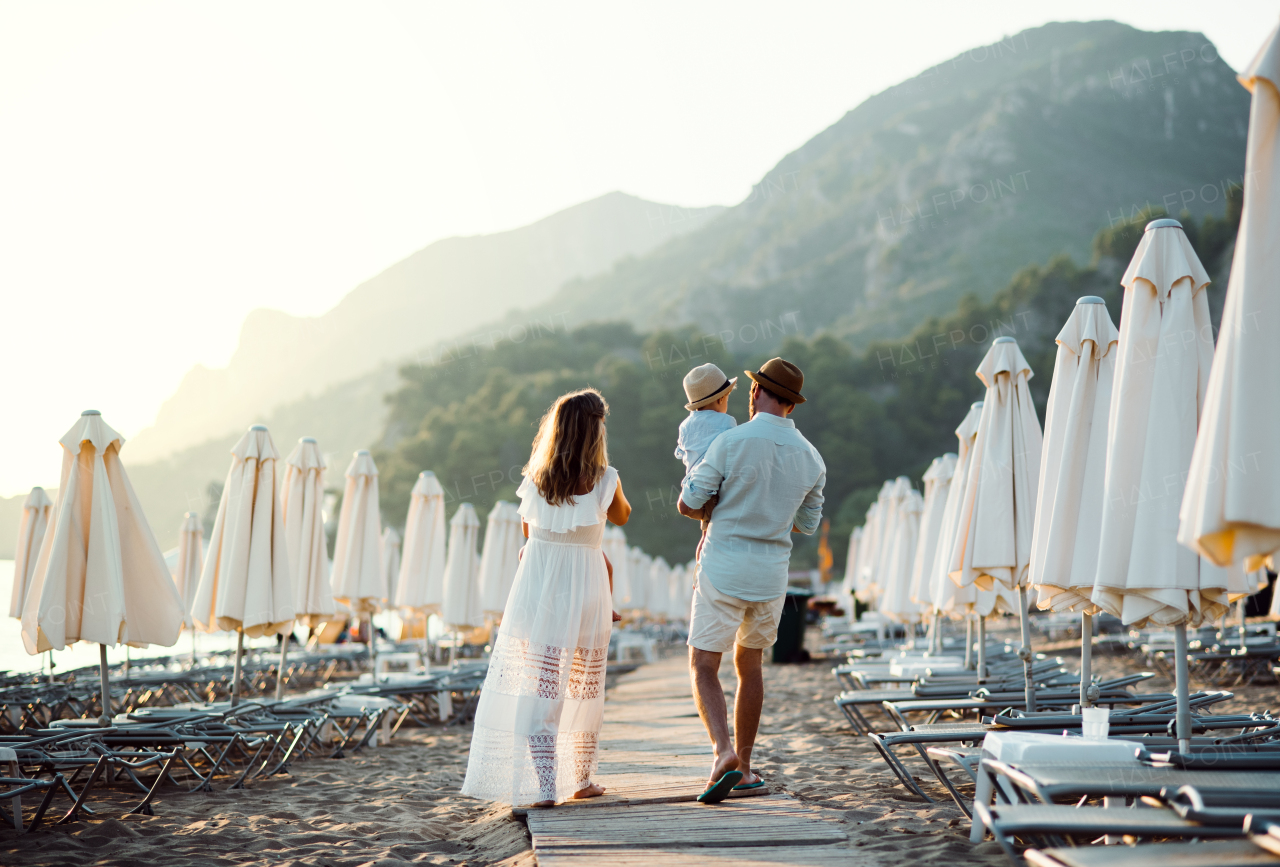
<point x="587" y="510"/>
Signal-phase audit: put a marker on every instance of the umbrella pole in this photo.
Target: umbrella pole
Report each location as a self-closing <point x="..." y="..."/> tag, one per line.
<point x="235" y="678"/>
<point x="105" y="719"/>
<point x="1024" y="652"/>
<point x="1182" y="688"/>
<point x="968" y="642"/>
<point x="1244" y="600"/>
<point x="426" y="645"/>
<point x="1086" y="659"/>
<point x="50" y="666"/>
<point x="373" y="650"/>
<point x="284" y="655"/>
<point x="982" y="648"/>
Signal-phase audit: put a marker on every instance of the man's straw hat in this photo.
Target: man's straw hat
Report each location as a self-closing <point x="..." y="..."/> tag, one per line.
<point x="706" y="384"/>
<point x="781" y="377"/>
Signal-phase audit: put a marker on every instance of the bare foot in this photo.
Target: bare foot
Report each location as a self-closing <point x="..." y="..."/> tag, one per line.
<point x="749" y="777"/>
<point x="723" y="764"/>
<point x="543" y="804"/>
<point x="594" y="790"/>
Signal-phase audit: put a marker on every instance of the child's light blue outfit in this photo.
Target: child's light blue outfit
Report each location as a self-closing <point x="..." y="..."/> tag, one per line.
<point x="696" y="433"/>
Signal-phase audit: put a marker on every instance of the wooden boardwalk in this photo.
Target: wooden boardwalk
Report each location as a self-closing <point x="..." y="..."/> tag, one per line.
<point x="654" y="760"/>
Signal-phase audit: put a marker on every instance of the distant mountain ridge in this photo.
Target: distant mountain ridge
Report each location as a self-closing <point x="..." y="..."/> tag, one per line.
<point x="442" y="291"/>
<point x="949" y="183"/>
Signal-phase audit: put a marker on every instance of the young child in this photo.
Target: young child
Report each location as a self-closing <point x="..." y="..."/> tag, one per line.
<point x="708" y="390"/>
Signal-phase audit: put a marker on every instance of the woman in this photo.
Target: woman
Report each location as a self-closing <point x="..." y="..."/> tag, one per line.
<point x="537" y="726"/>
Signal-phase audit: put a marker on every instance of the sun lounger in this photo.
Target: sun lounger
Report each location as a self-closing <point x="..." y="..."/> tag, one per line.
<point x="1048" y="784"/>
<point x="1046" y="825"/>
<point x="1209" y="853"/>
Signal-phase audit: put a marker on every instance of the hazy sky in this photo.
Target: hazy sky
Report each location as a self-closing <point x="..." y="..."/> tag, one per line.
<point x="165" y="167"/>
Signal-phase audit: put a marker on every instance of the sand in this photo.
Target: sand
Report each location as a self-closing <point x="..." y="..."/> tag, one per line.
<point x="400" y="803"/>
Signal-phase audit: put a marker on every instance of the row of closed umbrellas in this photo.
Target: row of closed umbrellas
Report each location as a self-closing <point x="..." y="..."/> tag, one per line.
<point x="1155" y="483"/>
<point x="89" y="568"/>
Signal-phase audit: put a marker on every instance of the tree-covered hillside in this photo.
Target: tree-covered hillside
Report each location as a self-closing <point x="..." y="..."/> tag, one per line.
<point x="872" y="415"/>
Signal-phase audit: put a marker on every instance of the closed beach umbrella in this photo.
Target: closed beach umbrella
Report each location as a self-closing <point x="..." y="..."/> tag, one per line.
<point x="390" y="547"/>
<point x="659" y="588"/>
<point x="675" y="583"/>
<point x="246" y="585"/>
<point x="1231" y="508"/>
<point x="1064" y="548"/>
<point x="615" y="548"/>
<point x="947" y="597"/>
<point x="849" y="584"/>
<point x="863" y="587"/>
<point x="100" y="575"/>
<point x="638" y="564"/>
<point x="886" y="524"/>
<point x="420" y="587"/>
<point x="302" y="501"/>
<point x="1064" y="545"/>
<point x="461" y="608"/>
<point x="500" y="557"/>
<point x="895" y="602"/>
<point x="992" y="549"/>
<point x="358" y="579"/>
<point x="1162" y="371"/>
<point x="37" y="508"/>
<point x="937" y="484"/>
<point x="186" y="573"/>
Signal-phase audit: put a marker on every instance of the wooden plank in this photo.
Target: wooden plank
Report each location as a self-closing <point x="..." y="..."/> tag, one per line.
<point x="760" y="856"/>
<point x="753" y="822"/>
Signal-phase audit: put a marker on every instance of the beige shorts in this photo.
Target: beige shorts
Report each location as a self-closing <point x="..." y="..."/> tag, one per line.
<point x="718" y="621"/>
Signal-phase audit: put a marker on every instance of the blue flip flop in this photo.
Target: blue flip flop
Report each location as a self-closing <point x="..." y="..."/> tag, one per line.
<point x="757" y="784"/>
<point x="721" y="789"/>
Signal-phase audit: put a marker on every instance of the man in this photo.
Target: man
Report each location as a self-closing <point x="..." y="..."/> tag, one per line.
<point x="769" y="480"/>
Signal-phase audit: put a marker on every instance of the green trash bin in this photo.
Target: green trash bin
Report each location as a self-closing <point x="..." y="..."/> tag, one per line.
<point x="790" y="644"/>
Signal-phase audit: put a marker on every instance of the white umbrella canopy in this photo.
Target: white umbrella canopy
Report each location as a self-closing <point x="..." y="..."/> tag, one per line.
<point x="186" y="572"/>
<point x="993" y="539"/>
<point x="1064" y="546"/>
<point x="895" y="602"/>
<point x="946" y="596"/>
<point x="500" y="557"/>
<point x="461" y="609"/>
<point x="937" y="484"/>
<point x="678" y="606"/>
<point x="863" y="586"/>
<point x="389" y="545"/>
<point x="358" y="579"/>
<point x="659" y="588"/>
<point x="246" y="585"/>
<point x="1231" y="508"/>
<point x="420" y="587"/>
<point x="615" y="548"/>
<point x="886" y="521"/>
<point x="100" y="575"/>
<point x="1164" y="356"/>
<point x="37" y="509"/>
<point x="302" y="502"/>
<point x="849" y="584"/>
<point x="638" y="565"/>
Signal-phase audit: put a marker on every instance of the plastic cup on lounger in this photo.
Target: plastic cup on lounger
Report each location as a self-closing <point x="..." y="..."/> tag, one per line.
<point x="1096" y="723"/>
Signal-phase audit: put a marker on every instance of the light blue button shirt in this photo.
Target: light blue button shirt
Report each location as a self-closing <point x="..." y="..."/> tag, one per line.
<point x="769" y="478"/>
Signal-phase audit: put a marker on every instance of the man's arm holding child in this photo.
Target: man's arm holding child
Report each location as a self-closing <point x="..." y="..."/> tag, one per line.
<point x="703" y="481"/>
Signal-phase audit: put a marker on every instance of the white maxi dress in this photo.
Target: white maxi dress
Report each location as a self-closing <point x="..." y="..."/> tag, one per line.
<point x="537" y="726"/>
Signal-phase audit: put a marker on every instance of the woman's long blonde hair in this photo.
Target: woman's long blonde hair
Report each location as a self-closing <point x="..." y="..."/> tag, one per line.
<point x="571" y="449"/>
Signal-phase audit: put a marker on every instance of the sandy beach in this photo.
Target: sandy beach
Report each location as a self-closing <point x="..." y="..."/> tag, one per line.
<point x="400" y="803"/>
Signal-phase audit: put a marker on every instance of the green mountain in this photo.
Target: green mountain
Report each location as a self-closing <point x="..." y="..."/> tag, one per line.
<point x="949" y="183"/>
<point x="873" y="415"/>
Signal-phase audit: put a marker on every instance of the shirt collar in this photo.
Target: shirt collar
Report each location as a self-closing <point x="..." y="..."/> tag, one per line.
<point x="769" y="418"/>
